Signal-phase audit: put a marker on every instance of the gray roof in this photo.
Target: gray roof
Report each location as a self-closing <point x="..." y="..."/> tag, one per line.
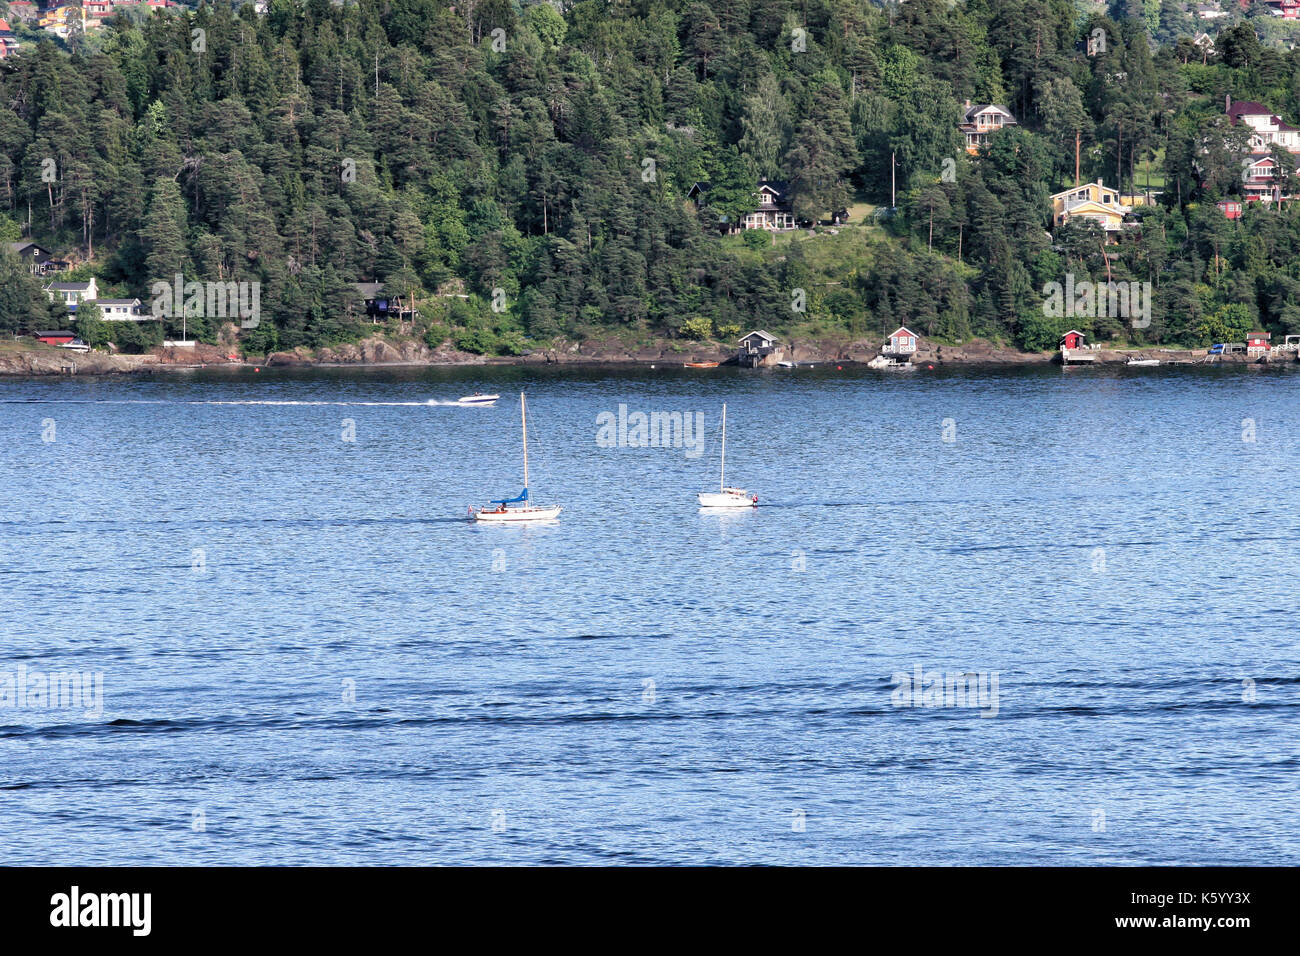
<point x="20" y="246"/>
<point x="369" y="289"/>
<point x="68" y="286"/>
<point x="116" y="301"/>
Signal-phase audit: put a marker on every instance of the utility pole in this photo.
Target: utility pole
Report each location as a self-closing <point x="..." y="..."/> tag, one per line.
<point x="893" y="194"/>
<point x="1077" y="135"/>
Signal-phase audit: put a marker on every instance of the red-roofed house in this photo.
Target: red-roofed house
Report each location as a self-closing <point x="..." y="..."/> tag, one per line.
<point x="8" y="42"/>
<point x="1267" y="129"/>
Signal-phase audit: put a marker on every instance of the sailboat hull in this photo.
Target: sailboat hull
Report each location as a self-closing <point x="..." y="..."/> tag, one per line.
<point x="725" y="499"/>
<point x="514" y="515"/>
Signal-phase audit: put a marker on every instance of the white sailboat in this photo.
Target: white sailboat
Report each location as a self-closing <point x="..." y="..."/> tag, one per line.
<point x="726" y="497"/>
<point x="524" y="511"/>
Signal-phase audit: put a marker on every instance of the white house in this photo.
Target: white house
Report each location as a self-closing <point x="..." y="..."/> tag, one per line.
<point x="121" y="310"/>
<point x="1267" y="129"/>
<point x="72" y="294"/>
<point x="774" y="212"/>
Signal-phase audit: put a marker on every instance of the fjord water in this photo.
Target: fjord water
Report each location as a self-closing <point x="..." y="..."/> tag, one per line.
<point x="310" y="656"/>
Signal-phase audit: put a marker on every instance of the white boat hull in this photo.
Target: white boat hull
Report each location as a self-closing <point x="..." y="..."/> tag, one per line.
<point x="479" y="400"/>
<point x="511" y="515"/>
<point x="725" y="499"/>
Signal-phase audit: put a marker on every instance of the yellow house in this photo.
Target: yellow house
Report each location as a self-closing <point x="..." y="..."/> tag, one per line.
<point x="59" y="20"/>
<point x="1090" y="201"/>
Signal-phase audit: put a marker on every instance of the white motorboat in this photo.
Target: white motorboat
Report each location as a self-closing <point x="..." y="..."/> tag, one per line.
<point x="1134" y="361"/>
<point x="726" y="497"/>
<point x="510" y="510"/>
<point x="479" y="399"/>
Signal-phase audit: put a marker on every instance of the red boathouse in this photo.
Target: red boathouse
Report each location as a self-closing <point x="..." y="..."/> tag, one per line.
<point x="55" y="338"/>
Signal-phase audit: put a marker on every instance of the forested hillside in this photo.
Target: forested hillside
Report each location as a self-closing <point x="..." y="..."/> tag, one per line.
<point x="547" y="151"/>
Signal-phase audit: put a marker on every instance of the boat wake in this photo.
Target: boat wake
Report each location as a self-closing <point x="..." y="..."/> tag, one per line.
<point x="163" y="401"/>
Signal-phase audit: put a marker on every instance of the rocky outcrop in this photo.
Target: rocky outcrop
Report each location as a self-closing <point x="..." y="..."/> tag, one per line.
<point x="21" y="358"/>
<point x="55" y="361"/>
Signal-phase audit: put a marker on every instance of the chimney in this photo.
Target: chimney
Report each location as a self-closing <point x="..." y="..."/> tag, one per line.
<point x="968" y="104"/>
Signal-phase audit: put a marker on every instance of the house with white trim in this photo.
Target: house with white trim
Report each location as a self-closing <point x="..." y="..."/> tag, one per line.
<point x="981" y="121"/>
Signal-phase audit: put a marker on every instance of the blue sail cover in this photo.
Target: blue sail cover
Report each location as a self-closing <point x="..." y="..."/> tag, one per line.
<point x="523" y="496"/>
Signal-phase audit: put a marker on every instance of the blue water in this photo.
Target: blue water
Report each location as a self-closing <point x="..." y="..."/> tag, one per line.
<point x="1104" y="541"/>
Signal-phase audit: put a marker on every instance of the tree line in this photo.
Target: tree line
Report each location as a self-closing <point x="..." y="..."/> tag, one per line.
<point x="537" y="158"/>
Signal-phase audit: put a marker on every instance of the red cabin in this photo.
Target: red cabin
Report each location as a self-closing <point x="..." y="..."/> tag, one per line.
<point x="902" y="341"/>
<point x="55" y="338"/>
<point x="1230" y="208"/>
<point x="1257" y="342"/>
<point x="1072" y="339"/>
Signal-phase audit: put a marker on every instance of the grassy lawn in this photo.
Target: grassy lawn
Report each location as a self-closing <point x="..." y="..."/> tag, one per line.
<point x="861" y="212"/>
<point x="23" y="344"/>
<point x="1150" y="175"/>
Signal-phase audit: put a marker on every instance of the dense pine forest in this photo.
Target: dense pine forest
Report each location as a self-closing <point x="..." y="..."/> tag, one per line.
<point x="520" y="171"/>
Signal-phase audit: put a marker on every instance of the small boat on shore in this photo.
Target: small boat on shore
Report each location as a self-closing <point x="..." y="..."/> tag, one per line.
<point x="699" y="365"/>
<point x="478" y="398"/>
<point x="1150" y="361"/>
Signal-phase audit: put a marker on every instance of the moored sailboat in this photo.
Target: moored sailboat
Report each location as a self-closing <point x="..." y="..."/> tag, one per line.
<point x="726" y="497"/>
<point x="523" y="510"/>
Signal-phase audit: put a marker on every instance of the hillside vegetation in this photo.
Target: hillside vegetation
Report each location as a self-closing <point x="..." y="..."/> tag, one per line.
<point x="538" y="157"/>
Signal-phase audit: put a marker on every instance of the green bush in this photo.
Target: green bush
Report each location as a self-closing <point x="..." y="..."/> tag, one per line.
<point x="136" y="337"/>
<point x="90" y="328"/>
<point x="479" y="341"/>
<point x="698" y="328"/>
<point x="435" y="334"/>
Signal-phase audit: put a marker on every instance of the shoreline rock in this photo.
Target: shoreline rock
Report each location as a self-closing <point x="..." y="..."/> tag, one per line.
<point x="378" y="352"/>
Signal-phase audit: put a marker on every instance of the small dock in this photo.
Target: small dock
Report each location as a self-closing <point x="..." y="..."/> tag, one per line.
<point x="1077" y="356"/>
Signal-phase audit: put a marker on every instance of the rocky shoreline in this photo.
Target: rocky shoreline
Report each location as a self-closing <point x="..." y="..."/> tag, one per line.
<point x="376" y="351"/>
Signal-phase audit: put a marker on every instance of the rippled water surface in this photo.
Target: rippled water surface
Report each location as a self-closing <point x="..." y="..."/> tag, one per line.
<point x="310" y="656"/>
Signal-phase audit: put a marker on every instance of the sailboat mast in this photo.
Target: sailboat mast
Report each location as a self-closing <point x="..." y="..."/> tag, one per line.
<point x="523" y="416"/>
<point x="722" y="480"/>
